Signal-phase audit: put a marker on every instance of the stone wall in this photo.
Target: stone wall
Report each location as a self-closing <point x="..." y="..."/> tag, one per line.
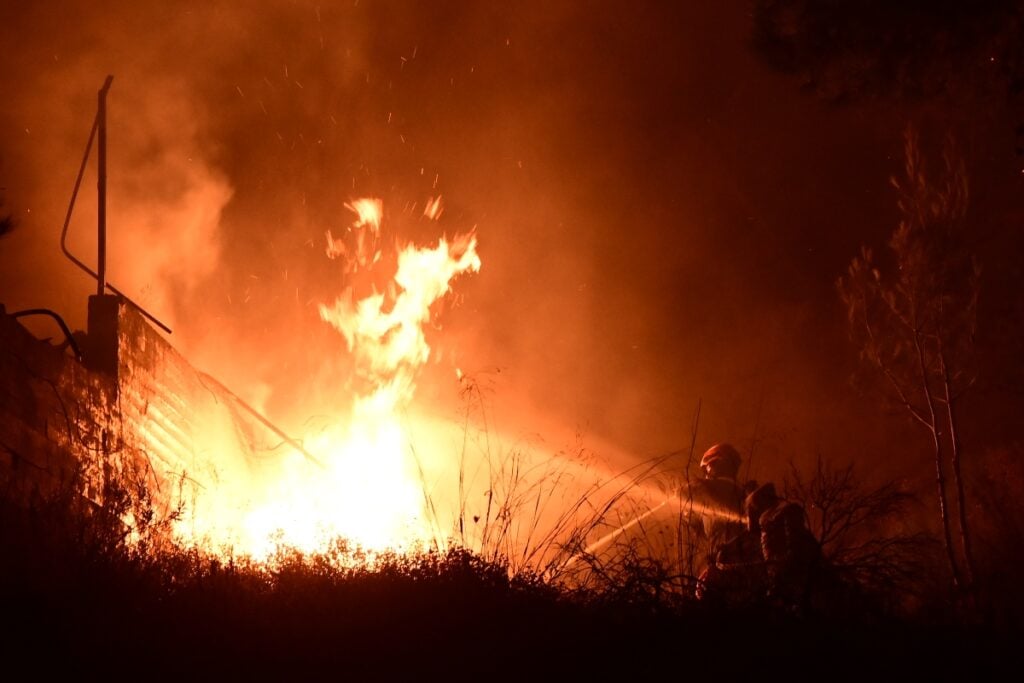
<point x="56" y="416"/>
<point x="131" y="406"/>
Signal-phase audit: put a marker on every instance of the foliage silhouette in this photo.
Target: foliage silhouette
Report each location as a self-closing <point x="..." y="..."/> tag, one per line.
<point x="80" y="585"/>
<point x="913" y="315"/>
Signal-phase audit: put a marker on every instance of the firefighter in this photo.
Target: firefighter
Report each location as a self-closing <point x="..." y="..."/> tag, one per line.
<point x="739" y="574"/>
<point x="717" y="504"/>
<point x="793" y="560"/>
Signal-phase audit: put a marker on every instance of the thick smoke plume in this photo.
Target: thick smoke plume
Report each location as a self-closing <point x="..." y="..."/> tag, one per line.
<point x="637" y="220"/>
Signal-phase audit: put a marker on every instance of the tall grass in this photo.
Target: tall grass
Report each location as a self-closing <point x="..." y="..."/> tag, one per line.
<point x="558" y="518"/>
<point x="101" y="589"/>
<point x="563" y="514"/>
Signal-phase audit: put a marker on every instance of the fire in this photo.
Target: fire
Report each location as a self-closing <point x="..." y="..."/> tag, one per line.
<point x="365" y="486"/>
<point x="367" y="231"/>
<point x="385" y="334"/>
<point x="389" y="344"/>
<point x="433" y="208"/>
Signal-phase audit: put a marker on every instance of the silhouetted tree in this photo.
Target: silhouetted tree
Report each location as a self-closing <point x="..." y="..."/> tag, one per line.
<point x="913" y="315"/>
<point x="943" y="51"/>
<point x="996" y="487"/>
<point x="857" y="528"/>
<point x="913" y="48"/>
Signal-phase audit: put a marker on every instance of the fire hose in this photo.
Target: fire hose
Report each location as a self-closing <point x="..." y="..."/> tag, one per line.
<point x="691" y="506"/>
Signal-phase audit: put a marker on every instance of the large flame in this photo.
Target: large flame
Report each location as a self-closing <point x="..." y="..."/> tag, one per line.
<point x="365" y="486"/>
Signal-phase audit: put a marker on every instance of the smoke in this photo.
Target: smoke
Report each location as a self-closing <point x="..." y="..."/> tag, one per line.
<point x="164" y="247"/>
<point x="641" y="251"/>
<point x="165" y="195"/>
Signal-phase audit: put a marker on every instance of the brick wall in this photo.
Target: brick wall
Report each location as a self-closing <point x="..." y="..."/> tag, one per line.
<point x="132" y="405"/>
<point x="55" y="415"/>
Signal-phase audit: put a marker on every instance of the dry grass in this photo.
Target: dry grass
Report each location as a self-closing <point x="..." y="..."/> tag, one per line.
<point x="554" y="514"/>
<point x="92" y="595"/>
<point x="522" y="592"/>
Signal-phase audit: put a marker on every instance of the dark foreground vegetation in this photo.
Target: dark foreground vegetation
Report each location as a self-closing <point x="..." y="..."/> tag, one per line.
<point x="78" y="597"/>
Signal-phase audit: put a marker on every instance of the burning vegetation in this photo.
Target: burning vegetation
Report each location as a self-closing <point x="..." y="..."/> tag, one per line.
<point x="360" y="450"/>
<point x="358" y="479"/>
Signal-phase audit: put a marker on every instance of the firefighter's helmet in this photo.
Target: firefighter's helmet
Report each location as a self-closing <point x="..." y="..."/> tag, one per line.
<point x="762" y="498"/>
<point x="721" y="459"/>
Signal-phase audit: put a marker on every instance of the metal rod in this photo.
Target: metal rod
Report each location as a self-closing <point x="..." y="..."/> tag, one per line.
<point x="101" y="189"/>
<point x="263" y="420"/>
<point x="71" y="205"/>
<point x="139" y="308"/>
<point x="60" y="321"/>
<point x="67" y="223"/>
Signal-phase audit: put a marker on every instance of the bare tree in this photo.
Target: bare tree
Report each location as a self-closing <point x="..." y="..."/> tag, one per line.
<point x="856" y="528"/>
<point x="913" y="315"/>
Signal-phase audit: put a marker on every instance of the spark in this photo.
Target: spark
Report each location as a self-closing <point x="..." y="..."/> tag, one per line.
<point x="433" y="209"/>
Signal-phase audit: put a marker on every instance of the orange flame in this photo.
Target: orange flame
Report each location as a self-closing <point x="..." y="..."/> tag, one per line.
<point x="366" y="489"/>
<point x="367" y="231"/>
<point x="433" y="208"/>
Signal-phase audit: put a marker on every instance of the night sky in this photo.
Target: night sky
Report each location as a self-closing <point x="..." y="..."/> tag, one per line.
<point x="662" y="215"/>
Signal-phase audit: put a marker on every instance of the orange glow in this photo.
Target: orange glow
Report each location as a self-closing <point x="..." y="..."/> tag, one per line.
<point x="367" y="232"/>
<point x="433" y="208"/>
<point x="366" y="486"/>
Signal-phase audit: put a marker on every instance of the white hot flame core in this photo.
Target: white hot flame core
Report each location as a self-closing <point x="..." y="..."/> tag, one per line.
<point x="366" y="228"/>
<point x="367" y="490"/>
<point x="389" y="348"/>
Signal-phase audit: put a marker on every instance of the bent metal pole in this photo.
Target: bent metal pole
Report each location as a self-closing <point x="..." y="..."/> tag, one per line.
<point x="101" y="189"/>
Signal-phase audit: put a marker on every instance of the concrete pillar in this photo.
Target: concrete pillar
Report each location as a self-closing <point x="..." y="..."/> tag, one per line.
<point x="101" y="348"/>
